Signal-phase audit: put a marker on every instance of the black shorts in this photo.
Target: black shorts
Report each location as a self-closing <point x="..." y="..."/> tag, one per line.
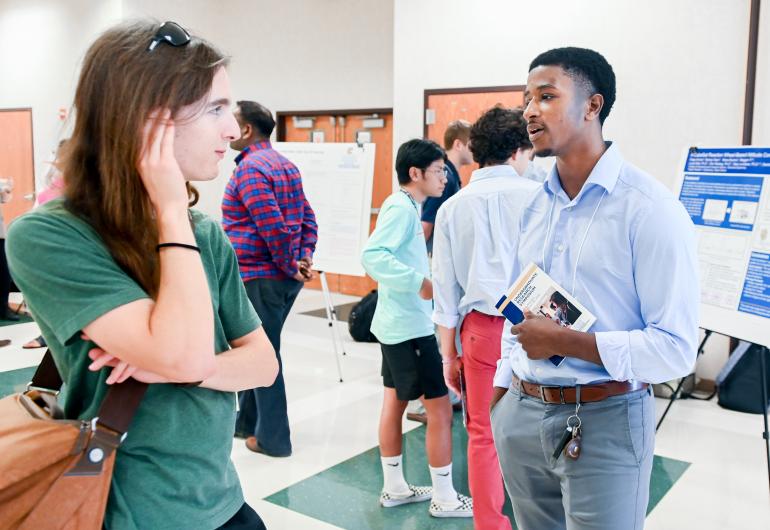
<point x="413" y="368"/>
<point x="244" y="519"/>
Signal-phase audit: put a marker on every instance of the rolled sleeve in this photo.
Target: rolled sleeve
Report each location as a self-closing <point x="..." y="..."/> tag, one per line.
<point x="615" y="353"/>
<point x="446" y="289"/>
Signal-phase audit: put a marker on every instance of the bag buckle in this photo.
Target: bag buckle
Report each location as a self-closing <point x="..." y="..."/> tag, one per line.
<point x="30" y="386"/>
<point x="543" y="388"/>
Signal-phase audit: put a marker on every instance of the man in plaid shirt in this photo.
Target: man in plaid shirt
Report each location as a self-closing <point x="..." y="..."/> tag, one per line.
<point x="273" y="230"/>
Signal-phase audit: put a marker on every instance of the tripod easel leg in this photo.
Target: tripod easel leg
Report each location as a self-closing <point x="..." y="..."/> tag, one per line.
<point x="331" y="318"/>
<point x="678" y="392"/>
<point x="764" y="352"/>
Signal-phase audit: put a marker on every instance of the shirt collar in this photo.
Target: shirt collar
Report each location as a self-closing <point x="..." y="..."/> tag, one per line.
<point x="503" y="170"/>
<point x="256" y="146"/>
<point x="605" y="173"/>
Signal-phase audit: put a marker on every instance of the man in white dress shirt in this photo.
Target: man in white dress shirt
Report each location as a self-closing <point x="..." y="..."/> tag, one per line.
<point x="473" y="246"/>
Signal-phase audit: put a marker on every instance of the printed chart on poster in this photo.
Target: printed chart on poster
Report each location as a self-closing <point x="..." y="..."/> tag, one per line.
<point x="337" y="179"/>
<point x="726" y="191"/>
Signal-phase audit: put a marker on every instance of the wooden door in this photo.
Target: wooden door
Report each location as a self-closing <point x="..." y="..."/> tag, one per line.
<point x="446" y="105"/>
<point x="342" y="126"/>
<point x="17" y="160"/>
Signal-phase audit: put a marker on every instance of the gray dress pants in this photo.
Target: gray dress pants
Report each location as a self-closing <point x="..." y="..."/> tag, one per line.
<point x="607" y="488"/>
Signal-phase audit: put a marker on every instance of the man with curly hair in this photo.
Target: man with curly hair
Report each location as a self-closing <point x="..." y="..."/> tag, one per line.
<point x="474" y="241"/>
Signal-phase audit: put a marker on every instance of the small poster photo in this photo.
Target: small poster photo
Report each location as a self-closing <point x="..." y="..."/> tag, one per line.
<point x="559" y="309"/>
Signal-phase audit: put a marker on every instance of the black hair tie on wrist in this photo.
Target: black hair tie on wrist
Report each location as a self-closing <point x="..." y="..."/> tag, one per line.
<point x="180" y="245"/>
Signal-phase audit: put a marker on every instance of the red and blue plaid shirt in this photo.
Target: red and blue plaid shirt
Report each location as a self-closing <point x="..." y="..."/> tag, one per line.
<point x="266" y="215"/>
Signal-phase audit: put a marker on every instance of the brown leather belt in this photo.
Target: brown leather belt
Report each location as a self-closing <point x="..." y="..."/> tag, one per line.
<point x="562" y="395"/>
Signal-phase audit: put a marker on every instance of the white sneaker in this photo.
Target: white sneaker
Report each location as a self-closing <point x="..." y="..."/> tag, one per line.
<point x="416" y="494"/>
<point x="462" y="508"/>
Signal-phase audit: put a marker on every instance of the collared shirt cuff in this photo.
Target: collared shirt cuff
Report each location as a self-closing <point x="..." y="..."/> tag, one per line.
<point x="444" y="319"/>
<point x="503" y="375"/>
<point x="289" y="268"/>
<point x="615" y="352"/>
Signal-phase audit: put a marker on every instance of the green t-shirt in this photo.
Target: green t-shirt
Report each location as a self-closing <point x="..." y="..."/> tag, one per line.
<point x="174" y="469"/>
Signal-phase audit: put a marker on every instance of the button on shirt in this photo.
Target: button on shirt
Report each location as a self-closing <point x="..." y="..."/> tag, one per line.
<point x="638" y="274"/>
<point x="266" y="215"/>
<point x="395" y="257"/>
<point x="475" y="242"/>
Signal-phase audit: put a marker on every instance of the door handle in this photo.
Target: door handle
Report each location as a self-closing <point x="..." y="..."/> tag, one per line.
<point x="29" y="197"/>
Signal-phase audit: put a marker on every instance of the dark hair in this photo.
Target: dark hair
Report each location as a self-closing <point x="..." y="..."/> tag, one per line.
<point x="558" y="298"/>
<point x="99" y="162"/>
<point x="587" y="68"/>
<point x="497" y="135"/>
<point x="416" y="153"/>
<point x="258" y="116"/>
<point x="456" y="130"/>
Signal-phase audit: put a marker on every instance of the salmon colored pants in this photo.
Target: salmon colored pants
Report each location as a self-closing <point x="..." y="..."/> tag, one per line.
<point x="480" y="338"/>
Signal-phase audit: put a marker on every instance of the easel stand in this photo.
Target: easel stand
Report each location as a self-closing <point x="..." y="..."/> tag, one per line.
<point x="766" y="435"/>
<point x="678" y="392"/>
<point x="763" y="354"/>
<point x="331" y="318"/>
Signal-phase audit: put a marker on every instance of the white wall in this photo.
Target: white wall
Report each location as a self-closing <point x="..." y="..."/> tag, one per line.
<point x="678" y="84"/>
<point x="41" y="45"/>
<point x="680" y="68"/>
<point x="291" y="54"/>
<point x="287" y="54"/>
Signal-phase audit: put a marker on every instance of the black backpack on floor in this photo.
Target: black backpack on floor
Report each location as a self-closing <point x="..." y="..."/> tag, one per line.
<point x="360" y="319"/>
<point x="740" y="381"/>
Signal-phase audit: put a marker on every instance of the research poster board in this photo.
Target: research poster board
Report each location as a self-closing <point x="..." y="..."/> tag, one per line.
<point x="726" y="191"/>
<point x="337" y="179"/>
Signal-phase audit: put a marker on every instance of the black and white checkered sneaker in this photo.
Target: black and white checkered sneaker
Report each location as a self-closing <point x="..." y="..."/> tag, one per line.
<point x="462" y="508"/>
<point x="416" y="494"/>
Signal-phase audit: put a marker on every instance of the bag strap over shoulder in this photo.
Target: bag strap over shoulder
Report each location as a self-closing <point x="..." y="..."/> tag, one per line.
<point x="113" y="420"/>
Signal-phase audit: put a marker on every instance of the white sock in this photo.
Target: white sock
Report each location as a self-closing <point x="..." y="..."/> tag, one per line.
<point x="393" y="475"/>
<point x="443" y="489"/>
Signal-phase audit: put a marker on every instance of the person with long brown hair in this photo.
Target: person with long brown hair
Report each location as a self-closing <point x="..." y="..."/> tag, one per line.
<point x="125" y="280"/>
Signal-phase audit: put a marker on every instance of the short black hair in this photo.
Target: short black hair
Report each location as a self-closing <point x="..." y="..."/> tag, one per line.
<point x="258" y="116"/>
<point x="497" y="135"/>
<point x="586" y="67"/>
<point x="416" y="153"/>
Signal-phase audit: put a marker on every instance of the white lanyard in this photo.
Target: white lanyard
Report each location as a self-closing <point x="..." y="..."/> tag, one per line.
<point x="414" y="202"/>
<point x="582" y="242"/>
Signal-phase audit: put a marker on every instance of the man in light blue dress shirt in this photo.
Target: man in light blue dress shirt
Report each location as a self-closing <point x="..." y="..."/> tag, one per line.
<point x="620" y="243"/>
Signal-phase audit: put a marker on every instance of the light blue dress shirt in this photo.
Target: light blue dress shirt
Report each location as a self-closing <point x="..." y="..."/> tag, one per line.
<point x="637" y="273"/>
<point x="396" y="258"/>
<point x="474" y="240"/>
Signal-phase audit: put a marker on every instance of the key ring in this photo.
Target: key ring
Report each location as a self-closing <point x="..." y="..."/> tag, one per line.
<point x="576" y="425"/>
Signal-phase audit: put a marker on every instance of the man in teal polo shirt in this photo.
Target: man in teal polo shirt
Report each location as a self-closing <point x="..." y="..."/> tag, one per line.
<point x="411" y="364"/>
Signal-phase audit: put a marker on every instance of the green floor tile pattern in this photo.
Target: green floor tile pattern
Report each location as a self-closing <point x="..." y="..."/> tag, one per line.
<point x="347" y="494"/>
<point x="15" y="380"/>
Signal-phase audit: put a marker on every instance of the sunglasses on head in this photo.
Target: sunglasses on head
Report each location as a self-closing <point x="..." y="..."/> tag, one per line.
<point x="171" y="33"/>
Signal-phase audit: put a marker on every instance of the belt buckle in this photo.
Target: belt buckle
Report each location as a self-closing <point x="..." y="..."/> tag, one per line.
<point x="543" y="388"/>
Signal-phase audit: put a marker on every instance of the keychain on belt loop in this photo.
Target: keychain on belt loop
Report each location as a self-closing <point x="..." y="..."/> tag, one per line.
<point x="570" y="441"/>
